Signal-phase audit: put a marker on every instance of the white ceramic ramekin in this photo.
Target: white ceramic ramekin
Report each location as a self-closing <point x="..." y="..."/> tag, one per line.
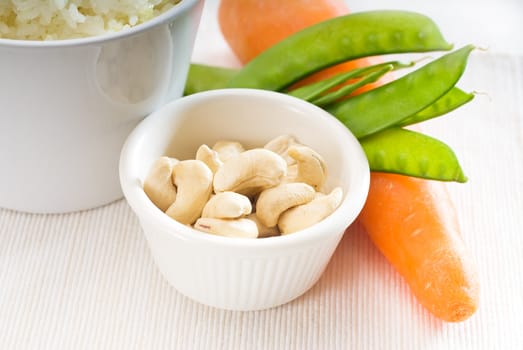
<point x="67" y="107"/>
<point x="236" y="273"/>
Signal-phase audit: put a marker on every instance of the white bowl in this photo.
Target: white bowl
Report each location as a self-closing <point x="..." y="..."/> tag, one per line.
<point x="68" y="105"/>
<point x="236" y="273"/>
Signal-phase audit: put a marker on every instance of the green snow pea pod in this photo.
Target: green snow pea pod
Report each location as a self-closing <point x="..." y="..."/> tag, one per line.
<point x="202" y="77"/>
<point x="314" y="90"/>
<point x="447" y="103"/>
<point x="406" y="152"/>
<point x="337" y="40"/>
<point x="346" y="90"/>
<point x="391" y="103"/>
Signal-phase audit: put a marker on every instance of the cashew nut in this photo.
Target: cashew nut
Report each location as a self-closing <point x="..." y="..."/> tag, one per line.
<point x="227" y="149"/>
<point x="292" y="173"/>
<point x="311" y="167"/>
<point x="227" y="205"/>
<point x="263" y="231"/>
<point x="274" y="201"/>
<point x="158" y="184"/>
<point x="243" y="228"/>
<point x="250" y="172"/>
<point x="281" y="179"/>
<point x="280" y="145"/>
<point x="306" y="215"/>
<point x="193" y="180"/>
<point x="209" y="157"/>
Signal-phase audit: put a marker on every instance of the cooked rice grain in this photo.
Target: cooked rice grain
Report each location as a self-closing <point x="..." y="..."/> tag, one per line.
<point x="67" y="19"/>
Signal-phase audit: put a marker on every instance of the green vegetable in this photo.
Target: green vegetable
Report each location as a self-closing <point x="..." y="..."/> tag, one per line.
<point x="401" y="151"/>
<point x="447" y="103"/>
<point x="346" y="90"/>
<point x="337" y="40"/>
<point x="202" y="77"/>
<point x="314" y="90"/>
<point x="391" y="103"/>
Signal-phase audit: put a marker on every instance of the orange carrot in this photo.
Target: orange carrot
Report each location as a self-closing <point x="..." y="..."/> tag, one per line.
<point x="411" y="221"/>
<point x="414" y="225"/>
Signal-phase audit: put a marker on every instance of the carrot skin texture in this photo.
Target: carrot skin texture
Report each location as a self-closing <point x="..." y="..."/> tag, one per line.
<point x="414" y="225"/>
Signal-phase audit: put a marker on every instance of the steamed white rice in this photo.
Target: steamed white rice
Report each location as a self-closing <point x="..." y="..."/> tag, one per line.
<point x="66" y="19"/>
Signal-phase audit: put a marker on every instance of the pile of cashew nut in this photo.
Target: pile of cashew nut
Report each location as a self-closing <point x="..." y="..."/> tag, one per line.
<point x="230" y="191"/>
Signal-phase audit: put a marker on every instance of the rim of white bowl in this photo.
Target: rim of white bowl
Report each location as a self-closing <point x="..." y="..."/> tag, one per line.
<point x="167" y="16"/>
<point x="146" y="211"/>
